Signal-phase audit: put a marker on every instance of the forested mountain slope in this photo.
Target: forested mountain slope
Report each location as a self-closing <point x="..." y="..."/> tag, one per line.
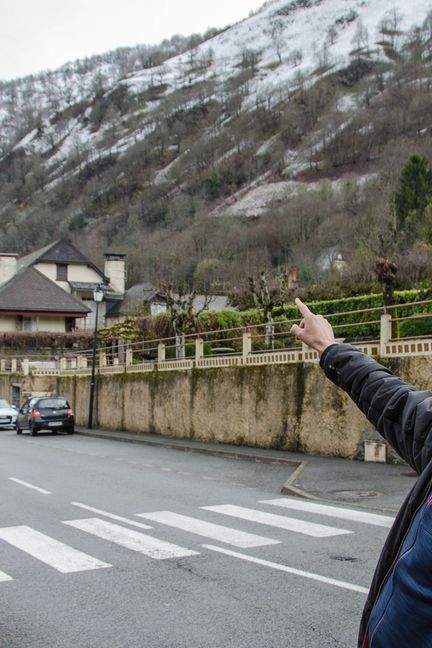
<point x="272" y="143"/>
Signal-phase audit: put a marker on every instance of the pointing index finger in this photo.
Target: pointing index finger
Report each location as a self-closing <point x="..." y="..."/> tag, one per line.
<point x="304" y="310"/>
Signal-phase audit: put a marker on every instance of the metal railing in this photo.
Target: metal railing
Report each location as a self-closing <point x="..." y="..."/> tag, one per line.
<point x="372" y="331"/>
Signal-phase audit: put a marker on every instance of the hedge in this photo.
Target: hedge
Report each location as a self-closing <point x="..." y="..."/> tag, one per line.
<point x="45" y="342"/>
<point x="160" y="326"/>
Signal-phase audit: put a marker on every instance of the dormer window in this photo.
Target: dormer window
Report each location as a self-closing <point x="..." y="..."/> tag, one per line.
<point x="62" y="272"/>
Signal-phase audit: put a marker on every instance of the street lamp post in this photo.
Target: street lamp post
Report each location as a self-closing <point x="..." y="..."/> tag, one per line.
<point x="98" y="297"/>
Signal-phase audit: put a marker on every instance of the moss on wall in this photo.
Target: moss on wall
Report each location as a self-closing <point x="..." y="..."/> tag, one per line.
<point x="292" y="407"/>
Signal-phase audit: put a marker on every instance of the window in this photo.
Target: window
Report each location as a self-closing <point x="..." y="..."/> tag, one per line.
<point x="53" y="403"/>
<point x="16" y="395"/>
<point x="70" y="324"/>
<point x="62" y="272"/>
<point x="27" y="323"/>
<point x="156" y="308"/>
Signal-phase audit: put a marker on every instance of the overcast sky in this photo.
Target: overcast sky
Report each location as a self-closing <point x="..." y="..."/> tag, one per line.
<point x="37" y="35"/>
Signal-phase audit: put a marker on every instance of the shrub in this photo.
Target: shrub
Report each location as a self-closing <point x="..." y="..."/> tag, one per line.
<point x="367" y="323"/>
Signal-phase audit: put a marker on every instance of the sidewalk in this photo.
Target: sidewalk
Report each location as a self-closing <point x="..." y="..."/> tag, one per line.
<point x="370" y="485"/>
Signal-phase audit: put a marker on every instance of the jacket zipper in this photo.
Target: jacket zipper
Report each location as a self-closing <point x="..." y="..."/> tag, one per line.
<point x="393" y="565"/>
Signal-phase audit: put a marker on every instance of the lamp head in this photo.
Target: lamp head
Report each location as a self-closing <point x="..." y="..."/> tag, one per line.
<point x="98" y="294"/>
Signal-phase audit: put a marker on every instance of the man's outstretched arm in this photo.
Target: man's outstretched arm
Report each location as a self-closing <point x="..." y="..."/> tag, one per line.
<point x="401" y="414"/>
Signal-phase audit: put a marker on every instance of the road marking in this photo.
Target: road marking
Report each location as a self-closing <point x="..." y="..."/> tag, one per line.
<point x="290" y="570"/>
<point x="63" y="558"/>
<point x="332" y="511"/>
<point x="119" y="518"/>
<point x="145" y="544"/>
<point x="280" y="521"/>
<point x="209" y="530"/>
<point x="4" y="577"/>
<point x="36" y="488"/>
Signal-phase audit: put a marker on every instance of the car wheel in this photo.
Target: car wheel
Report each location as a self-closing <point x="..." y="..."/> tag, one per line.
<point x="32" y="431"/>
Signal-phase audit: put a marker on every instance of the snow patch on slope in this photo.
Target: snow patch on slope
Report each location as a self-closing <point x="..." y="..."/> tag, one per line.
<point x="260" y="199"/>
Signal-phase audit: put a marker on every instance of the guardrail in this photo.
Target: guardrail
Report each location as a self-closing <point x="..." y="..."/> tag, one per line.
<point x="257" y="345"/>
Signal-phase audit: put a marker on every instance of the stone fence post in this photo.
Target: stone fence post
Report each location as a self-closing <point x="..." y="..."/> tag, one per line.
<point x="161" y="352"/>
<point x="385" y="333"/>
<point x="129" y="356"/>
<point x="247" y="345"/>
<point x="199" y="349"/>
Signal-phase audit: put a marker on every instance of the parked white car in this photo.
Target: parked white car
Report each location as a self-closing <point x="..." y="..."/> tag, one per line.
<point x="8" y="414"/>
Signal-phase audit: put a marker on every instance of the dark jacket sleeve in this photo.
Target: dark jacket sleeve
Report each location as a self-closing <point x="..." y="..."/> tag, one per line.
<point x="400" y="413"/>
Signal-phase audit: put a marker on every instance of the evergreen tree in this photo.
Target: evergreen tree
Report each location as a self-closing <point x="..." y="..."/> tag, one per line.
<point x="413" y="196"/>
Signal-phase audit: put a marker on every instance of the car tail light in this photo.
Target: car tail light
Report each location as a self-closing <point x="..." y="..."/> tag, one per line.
<point x="36" y="413"/>
<point x="70" y="412"/>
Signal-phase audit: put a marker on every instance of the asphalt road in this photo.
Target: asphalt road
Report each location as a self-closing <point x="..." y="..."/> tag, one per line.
<point x="113" y="545"/>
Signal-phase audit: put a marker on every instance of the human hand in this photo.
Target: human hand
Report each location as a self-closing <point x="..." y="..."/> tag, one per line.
<point x="313" y="330"/>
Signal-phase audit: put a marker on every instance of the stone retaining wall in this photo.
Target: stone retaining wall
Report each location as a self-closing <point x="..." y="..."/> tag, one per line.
<point x="292" y="407"/>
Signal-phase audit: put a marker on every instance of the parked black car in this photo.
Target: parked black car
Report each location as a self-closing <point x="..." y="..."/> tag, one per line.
<point x="45" y="413"/>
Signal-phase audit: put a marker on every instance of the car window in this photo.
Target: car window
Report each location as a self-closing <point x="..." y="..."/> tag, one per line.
<point x="4" y="403"/>
<point x="26" y="404"/>
<point x="53" y="403"/>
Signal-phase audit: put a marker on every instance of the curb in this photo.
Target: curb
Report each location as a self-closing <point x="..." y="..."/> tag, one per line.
<point x="294" y="491"/>
<point x="191" y="448"/>
<point x="287" y="488"/>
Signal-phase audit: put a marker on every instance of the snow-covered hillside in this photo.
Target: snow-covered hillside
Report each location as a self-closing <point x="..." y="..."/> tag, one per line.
<point x="325" y="32"/>
<point x="235" y="126"/>
<point x="285" y="42"/>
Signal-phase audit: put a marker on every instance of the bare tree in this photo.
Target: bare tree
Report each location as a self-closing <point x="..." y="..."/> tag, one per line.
<point x="264" y="301"/>
<point x="385" y="271"/>
<point x="250" y="59"/>
<point x="361" y="37"/>
<point x="389" y="27"/>
<point x="182" y="313"/>
<point x="295" y="57"/>
<point x="276" y="34"/>
<point x="331" y="35"/>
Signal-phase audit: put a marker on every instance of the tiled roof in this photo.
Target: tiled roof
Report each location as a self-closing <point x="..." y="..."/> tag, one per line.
<point x="31" y="258"/>
<point x="30" y="291"/>
<point x="61" y="251"/>
<point x="214" y="302"/>
<point x="136" y="296"/>
<point x="145" y="293"/>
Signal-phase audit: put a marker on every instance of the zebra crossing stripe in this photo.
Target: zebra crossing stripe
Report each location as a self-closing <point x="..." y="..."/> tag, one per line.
<point x="290" y="570"/>
<point x="209" y="529"/>
<point x="119" y="518"/>
<point x="4" y="577"/>
<point x="60" y="556"/>
<point x="280" y="521"/>
<point x="131" y="539"/>
<point x="332" y="511"/>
